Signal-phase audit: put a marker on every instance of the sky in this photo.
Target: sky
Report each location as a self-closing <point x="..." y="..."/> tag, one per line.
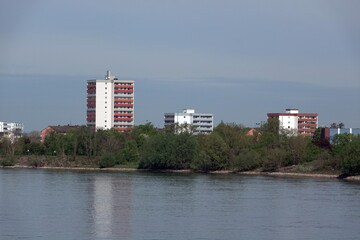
<point x="236" y="59"/>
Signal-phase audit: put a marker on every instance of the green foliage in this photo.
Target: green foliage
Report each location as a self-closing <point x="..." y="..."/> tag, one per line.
<point x="129" y="153"/>
<point x="107" y="160"/>
<point x="297" y="147"/>
<point x="35" y="148"/>
<point x="168" y="151"/>
<point x="274" y="159"/>
<point x="8" y="161"/>
<point x="340" y="141"/>
<point x="234" y="136"/>
<point x="350" y="155"/>
<point x="213" y="154"/>
<point x="248" y="159"/>
<point x="227" y="148"/>
<point x="271" y="126"/>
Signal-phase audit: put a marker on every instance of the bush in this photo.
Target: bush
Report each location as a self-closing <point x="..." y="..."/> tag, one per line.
<point x="213" y="154"/>
<point x="168" y="151"/>
<point x="9" y="161"/>
<point x="247" y="160"/>
<point x="350" y="155"/>
<point x="275" y="158"/>
<point x="36" y="161"/>
<point x="107" y="160"/>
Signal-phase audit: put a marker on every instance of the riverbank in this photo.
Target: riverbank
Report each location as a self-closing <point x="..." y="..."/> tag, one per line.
<point x="274" y="173"/>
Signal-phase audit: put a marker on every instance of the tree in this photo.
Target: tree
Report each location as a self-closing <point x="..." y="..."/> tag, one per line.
<point x="107" y="160"/>
<point x="168" y="151"/>
<point x="87" y="141"/>
<point x="339" y="125"/>
<point x="350" y="157"/>
<point x="248" y="159"/>
<point x="213" y="153"/>
<point x="297" y="149"/>
<point x="270" y="136"/>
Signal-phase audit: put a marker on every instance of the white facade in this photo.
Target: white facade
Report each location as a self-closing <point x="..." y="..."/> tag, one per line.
<point x="289" y="123"/>
<point x="110" y="103"/>
<point x="295" y="123"/>
<point x="201" y="122"/>
<point x="11" y="130"/>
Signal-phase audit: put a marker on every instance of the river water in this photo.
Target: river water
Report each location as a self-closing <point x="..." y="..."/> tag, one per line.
<point x="68" y="204"/>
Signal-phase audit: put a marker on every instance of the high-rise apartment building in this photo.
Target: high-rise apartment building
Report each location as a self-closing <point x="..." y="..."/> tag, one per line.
<point x="201" y="122"/>
<point x="110" y="103"/>
<point x="303" y="124"/>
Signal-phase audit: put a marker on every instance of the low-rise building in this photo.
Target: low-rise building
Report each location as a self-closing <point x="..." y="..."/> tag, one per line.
<point x="329" y="133"/>
<point x="294" y="122"/>
<point x="198" y="122"/>
<point x="57" y="129"/>
<point x="11" y="130"/>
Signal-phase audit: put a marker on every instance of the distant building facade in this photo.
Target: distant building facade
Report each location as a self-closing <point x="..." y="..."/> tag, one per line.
<point x="200" y="122"/>
<point x="11" y="130"/>
<point x="110" y="103"/>
<point x="329" y="133"/>
<point x="63" y="130"/>
<point x="297" y="123"/>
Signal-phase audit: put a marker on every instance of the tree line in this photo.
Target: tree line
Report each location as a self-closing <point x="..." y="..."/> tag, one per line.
<point x="228" y="147"/>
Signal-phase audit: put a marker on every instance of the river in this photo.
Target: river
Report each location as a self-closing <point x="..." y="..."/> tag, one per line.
<point x="70" y="204"/>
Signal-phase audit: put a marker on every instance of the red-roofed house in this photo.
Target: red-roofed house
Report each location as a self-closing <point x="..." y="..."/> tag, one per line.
<point x="57" y="129"/>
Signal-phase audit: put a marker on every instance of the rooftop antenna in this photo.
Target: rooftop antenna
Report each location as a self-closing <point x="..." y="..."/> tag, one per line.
<point x="108" y="75"/>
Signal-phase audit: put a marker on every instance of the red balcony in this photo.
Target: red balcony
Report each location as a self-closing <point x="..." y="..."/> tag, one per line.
<point x="91" y="99"/>
<point x="123" y="119"/>
<point x="123" y="86"/>
<point x="91" y="85"/>
<point x="307" y="124"/>
<point x="123" y="105"/>
<point x="122" y="128"/>
<point x="91" y="114"/>
<point x="91" y="90"/>
<point x="91" y="104"/>
<point x="306" y="129"/>
<point x="123" y="114"/>
<point x="124" y="100"/>
<point x="90" y="119"/>
<point x="123" y="91"/>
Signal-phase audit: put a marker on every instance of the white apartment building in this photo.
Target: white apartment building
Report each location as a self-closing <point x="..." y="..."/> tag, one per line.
<point x="296" y="123"/>
<point x="11" y="130"/>
<point x="110" y="103"/>
<point x="201" y="122"/>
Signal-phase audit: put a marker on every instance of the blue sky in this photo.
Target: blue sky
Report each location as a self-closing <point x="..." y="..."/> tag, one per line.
<point x="236" y="59"/>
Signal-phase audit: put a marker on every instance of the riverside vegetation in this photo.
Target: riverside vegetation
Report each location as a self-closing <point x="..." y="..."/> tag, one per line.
<point x="228" y="147"/>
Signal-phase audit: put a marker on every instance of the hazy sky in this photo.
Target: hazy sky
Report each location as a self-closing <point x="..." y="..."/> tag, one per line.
<point x="236" y="59"/>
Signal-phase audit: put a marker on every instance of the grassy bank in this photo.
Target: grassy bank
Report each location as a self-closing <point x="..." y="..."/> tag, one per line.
<point x="83" y="163"/>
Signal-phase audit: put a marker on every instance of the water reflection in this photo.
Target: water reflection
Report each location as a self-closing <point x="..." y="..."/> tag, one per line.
<point x="117" y="205"/>
<point x="112" y="207"/>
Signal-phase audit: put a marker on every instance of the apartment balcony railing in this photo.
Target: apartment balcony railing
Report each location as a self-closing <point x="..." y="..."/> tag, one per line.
<point x="123" y="105"/>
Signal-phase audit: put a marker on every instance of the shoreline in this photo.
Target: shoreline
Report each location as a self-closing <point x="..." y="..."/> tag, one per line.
<point x="276" y="174"/>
